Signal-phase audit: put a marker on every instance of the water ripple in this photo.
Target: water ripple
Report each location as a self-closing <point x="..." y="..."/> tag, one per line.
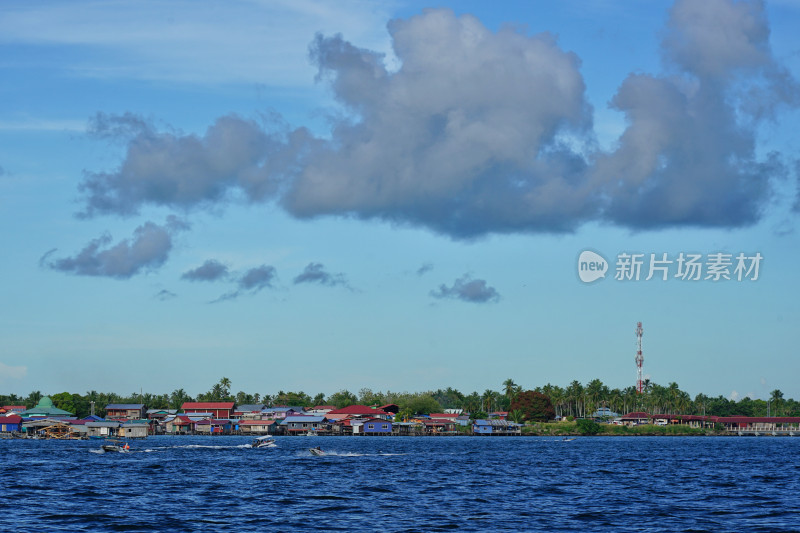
<point x="404" y="484"/>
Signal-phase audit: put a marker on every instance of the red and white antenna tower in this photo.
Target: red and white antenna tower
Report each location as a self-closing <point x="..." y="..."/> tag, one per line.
<point x="639" y="357"/>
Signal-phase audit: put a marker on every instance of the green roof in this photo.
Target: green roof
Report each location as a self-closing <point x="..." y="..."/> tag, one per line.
<point x="45" y="407"/>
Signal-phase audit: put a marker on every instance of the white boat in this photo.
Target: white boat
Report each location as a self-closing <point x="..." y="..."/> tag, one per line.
<point x="125" y="448"/>
<point x="264" y="442"/>
<point x="316" y="451"/>
<point x="310" y="433"/>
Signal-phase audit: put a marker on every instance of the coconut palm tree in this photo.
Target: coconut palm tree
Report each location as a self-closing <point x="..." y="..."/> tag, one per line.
<point x="489" y="400"/>
<point x="225" y="387"/>
<point x="557" y="397"/>
<point x="776" y="401"/>
<point x="575" y="395"/>
<point x="510" y="388"/>
<point x="517" y="415"/>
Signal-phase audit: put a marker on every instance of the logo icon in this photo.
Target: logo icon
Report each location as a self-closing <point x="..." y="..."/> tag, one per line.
<point x="591" y="266"/>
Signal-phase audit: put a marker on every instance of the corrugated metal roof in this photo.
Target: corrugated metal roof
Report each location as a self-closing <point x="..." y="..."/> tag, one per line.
<point x="303" y="419"/>
<point x="250" y="408"/>
<point x="124" y="406"/>
<point x="208" y="405"/>
<point x="497" y="423"/>
<point x="256" y="422"/>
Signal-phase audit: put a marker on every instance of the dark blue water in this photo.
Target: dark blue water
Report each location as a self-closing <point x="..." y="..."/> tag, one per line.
<point x="404" y="484"/>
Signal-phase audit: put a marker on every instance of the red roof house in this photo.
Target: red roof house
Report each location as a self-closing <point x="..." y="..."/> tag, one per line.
<point x="217" y="409"/>
<point x="10" y="423"/>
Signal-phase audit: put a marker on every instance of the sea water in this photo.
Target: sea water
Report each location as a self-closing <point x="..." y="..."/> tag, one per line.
<point x="174" y="483"/>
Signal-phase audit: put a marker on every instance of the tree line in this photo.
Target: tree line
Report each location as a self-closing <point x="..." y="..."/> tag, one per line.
<point x="575" y="400"/>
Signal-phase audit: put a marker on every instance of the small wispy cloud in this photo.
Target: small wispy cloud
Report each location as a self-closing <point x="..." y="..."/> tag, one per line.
<point x="257" y="278"/>
<point x="424" y="269"/>
<point x="164" y="295"/>
<point x="316" y="273"/>
<point x="211" y="270"/>
<point x="252" y="281"/>
<point x="148" y="249"/>
<point x="468" y="290"/>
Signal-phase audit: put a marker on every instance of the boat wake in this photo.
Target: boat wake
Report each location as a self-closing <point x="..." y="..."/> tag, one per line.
<point x="326" y="453"/>
<point x="200" y="446"/>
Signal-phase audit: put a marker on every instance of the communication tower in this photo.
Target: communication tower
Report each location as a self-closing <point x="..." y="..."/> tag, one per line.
<point x="639" y="357"/>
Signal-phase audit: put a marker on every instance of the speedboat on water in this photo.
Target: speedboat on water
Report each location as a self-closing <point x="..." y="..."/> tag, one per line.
<point x="264" y="442"/>
<point x="316" y="451"/>
<point x="124" y="448"/>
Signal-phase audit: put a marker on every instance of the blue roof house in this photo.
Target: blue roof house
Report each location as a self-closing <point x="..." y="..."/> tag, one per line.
<point x="496" y="427"/>
<point x="303" y="424"/>
<point x="482" y="427"/>
<point x="376" y="426"/>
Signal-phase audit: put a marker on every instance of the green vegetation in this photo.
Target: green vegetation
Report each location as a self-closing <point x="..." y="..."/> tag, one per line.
<point x="533" y="406"/>
<point x="588" y="427"/>
<point x="573" y="401"/>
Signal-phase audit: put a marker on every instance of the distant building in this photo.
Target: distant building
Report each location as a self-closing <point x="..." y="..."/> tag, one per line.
<point x="45" y="409"/>
<point x="318" y="410"/>
<point x="303" y="424"/>
<point x="635" y="419"/>
<point x="496" y="427"/>
<point x="437" y="426"/>
<point x="102" y="429"/>
<point x="179" y="425"/>
<point x="10" y="423"/>
<point x="134" y="430"/>
<point x="604" y="412"/>
<point x="160" y="414"/>
<point x="251" y="411"/>
<point x="279" y="413"/>
<point x="257" y="427"/>
<point x="127" y="411"/>
<point x="216" y="427"/>
<point x="390" y="408"/>
<point x="217" y="409"/>
<point x="376" y="426"/>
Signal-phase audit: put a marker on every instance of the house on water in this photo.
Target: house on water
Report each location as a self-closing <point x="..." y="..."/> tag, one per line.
<point x="10" y="424"/>
<point x="125" y="411"/>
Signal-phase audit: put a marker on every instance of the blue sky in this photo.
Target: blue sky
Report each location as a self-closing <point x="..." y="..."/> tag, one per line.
<point x="316" y="196"/>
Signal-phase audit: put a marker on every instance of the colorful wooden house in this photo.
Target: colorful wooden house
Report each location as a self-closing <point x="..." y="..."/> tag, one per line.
<point x="179" y="425"/>
<point x="295" y="425"/>
<point x="257" y="427"/>
<point x="376" y="426"/>
<point x="125" y="411"/>
<point x="496" y="427"/>
<point x="213" y="427"/>
<point x="9" y="424"/>
<point x="218" y="410"/>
